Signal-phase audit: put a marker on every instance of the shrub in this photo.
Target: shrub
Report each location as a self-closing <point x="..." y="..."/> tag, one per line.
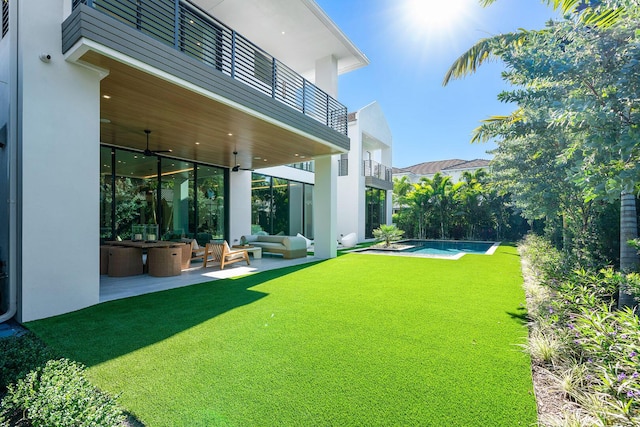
<point x="388" y="233"/>
<point x="58" y="394"/>
<point x="18" y="356"/>
<point x="597" y="363"/>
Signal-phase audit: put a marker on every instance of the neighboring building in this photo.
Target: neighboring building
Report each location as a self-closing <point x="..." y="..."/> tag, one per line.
<point x="80" y="82"/>
<point x="453" y="168"/>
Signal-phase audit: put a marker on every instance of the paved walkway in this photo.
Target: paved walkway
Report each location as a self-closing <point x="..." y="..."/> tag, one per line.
<point x="112" y="288"/>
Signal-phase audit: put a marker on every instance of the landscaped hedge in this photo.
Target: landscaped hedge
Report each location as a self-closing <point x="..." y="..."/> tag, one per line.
<point x="577" y="333"/>
<point x="37" y="390"/>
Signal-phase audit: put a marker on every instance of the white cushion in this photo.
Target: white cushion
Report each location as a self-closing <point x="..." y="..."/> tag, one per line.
<point x="309" y="241"/>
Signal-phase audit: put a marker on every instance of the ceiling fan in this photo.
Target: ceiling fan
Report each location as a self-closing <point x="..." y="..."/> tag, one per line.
<point x="237" y="167"/>
<point x="148" y="152"/>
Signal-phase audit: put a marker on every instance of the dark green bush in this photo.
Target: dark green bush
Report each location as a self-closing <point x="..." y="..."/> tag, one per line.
<point x="58" y="394"/>
<point x="18" y="356"/>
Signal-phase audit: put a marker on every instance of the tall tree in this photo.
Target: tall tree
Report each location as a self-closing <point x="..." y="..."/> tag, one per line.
<point x="592" y="60"/>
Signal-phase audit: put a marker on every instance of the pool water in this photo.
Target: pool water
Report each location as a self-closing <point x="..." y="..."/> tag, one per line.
<point x="438" y="247"/>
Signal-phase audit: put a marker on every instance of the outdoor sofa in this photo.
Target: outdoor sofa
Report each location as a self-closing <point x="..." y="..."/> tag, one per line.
<point x="288" y="246"/>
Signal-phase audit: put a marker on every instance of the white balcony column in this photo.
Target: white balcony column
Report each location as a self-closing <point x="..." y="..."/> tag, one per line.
<point x="239" y="205"/>
<point x="327" y="75"/>
<point x="325" y="207"/>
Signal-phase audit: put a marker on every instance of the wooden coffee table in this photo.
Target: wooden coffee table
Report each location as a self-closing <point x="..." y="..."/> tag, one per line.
<point x="256" y="251"/>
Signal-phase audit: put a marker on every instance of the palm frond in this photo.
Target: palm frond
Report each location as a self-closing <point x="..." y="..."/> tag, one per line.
<point x="482" y="51"/>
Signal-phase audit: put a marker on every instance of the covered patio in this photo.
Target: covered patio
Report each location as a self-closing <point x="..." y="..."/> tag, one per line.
<point x="113" y="288"/>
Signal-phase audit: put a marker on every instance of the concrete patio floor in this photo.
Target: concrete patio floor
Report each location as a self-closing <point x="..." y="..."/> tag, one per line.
<point x="113" y="288"/>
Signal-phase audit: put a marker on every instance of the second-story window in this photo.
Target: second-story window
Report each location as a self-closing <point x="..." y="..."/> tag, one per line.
<point x="343" y="165"/>
<point x="5" y="17"/>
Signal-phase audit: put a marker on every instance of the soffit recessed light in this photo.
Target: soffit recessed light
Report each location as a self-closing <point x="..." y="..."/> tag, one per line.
<point x="106" y="121"/>
<point x="230" y="134"/>
<point x="106" y="96"/>
<point x="197" y="143"/>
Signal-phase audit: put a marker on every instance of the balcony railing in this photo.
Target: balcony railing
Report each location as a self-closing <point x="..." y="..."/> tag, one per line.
<point x="377" y="170"/>
<point x="305" y="166"/>
<point x="191" y="30"/>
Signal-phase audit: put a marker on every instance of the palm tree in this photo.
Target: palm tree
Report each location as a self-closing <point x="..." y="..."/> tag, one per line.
<point x="388" y="233"/>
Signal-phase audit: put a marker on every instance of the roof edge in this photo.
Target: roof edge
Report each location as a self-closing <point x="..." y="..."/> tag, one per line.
<point x="363" y="61"/>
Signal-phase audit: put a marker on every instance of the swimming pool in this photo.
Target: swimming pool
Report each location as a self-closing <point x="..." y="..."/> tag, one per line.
<point x="438" y="248"/>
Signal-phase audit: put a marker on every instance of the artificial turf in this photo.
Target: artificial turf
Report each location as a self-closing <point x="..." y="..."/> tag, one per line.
<point x="356" y="340"/>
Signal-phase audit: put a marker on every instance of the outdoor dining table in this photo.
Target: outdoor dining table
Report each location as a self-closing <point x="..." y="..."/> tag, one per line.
<point x="168" y="266"/>
<point x="142" y="244"/>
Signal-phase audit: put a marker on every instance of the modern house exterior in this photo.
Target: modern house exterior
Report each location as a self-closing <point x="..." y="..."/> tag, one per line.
<point x="94" y="94"/>
<point x="365" y="180"/>
<point x="364" y="184"/>
<point x="453" y="168"/>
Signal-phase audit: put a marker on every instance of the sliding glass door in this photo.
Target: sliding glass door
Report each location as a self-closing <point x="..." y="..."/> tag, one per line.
<point x="184" y="199"/>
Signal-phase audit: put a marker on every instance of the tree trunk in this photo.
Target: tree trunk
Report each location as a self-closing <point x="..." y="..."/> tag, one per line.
<point x="628" y="254"/>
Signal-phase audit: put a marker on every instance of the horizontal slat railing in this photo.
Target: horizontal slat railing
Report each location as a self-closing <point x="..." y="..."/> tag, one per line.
<point x="191" y="30"/>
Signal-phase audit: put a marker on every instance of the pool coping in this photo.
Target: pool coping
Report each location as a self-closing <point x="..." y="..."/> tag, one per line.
<point x="398" y="251"/>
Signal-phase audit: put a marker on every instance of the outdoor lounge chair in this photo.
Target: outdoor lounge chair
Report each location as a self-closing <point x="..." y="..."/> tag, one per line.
<point x="221" y="252"/>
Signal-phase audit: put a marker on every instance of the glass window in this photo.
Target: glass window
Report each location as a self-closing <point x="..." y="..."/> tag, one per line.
<point x="280" y="206"/>
<point x="176" y="199"/>
<point x="136" y="186"/>
<point x="376" y="214"/>
<point x="308" y="211"/>
<point x="191" y="197"/>
<point x="106" y="193"/>
<point x="210" y="209"/>
<point x="260" y="203"/>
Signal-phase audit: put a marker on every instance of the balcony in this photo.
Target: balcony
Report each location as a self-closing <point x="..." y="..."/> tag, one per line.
<point x="377" y="175"/>
<point x="186" y="28"/>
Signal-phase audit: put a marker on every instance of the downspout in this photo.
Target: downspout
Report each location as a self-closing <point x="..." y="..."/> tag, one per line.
<point x="12" y="176"/>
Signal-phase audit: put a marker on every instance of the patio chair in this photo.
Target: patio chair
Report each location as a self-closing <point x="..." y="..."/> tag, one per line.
<point x="197" y="252"/>
<point x="222" y="253"/>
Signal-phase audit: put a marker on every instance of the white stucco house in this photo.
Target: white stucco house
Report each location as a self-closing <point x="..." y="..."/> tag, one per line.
<point x="365" y="181"/>
<point x="94" y="94"/>
<point x="364" y="186"/>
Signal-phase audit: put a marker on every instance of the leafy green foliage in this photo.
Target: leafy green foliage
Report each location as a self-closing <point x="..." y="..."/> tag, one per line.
<point x="19" y="355"/>
<point x="595" y="343"/>
<point x="58" y="394"/>
<point x="387" y="233"/>
<point x="470" y="209"/>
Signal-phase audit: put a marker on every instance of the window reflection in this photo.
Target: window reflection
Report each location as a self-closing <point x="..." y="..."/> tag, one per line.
<point x="184" y="199"/>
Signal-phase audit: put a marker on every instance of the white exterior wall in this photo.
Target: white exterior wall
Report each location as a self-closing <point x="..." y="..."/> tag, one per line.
<point x="368" y="133"/>
<point x="239" y="205"/>
<point x="325" y="207"/>
<point x="287" y="172"/>
<point x="59" y="136"/>
<point x="351" y="200"/>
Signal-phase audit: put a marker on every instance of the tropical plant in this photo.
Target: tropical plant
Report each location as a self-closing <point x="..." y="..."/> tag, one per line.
<point x="387" y="233"/>
<point x="581" y="78"/>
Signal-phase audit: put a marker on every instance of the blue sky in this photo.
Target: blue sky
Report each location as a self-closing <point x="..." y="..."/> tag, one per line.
<point x="410" y="54"/>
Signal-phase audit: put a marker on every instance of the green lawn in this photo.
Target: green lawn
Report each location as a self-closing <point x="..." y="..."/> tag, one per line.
<point x="356" y="340"/>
